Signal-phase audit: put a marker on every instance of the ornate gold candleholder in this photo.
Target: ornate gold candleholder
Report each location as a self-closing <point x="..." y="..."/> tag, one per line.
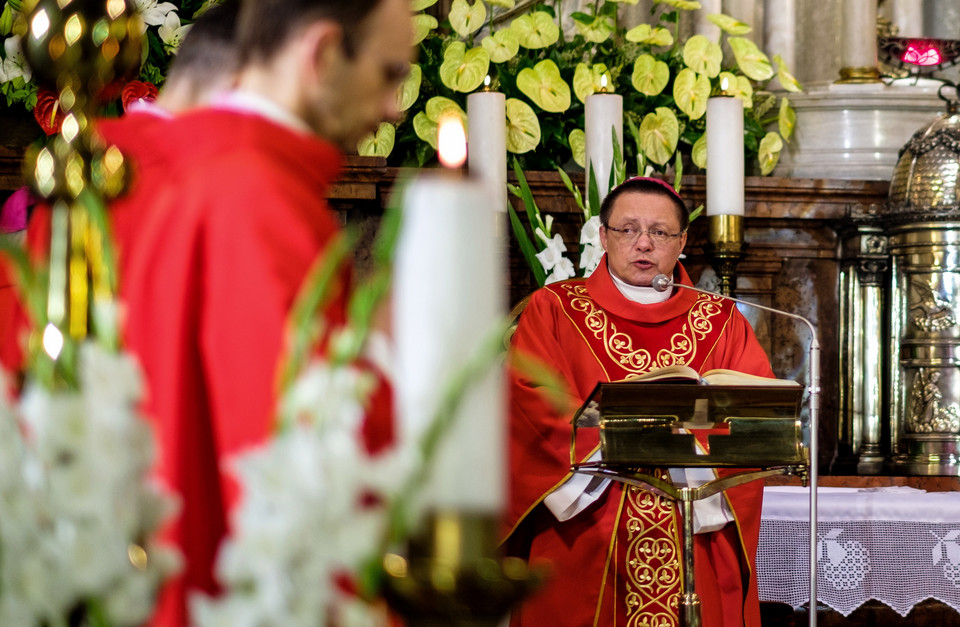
<point x="725" y="248"/>
<point x="454" y="574"/>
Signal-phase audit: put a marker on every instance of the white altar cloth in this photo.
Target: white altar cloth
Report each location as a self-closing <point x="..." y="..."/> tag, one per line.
<point x="897" y="545"/>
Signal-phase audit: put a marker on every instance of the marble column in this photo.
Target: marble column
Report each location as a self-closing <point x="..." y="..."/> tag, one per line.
<point x="858" y="51"/>
<point x="780" y="30"/>
<point x="907" y="16"/>
<point x="750" y="12"/>
<point x="703" y="26"/>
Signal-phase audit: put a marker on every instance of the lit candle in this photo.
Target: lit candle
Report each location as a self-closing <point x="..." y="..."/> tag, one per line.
<point x="448" y="295"/>
<point x="724" y="154"/>
<point x="859" y="45"/>
<point x="604" y="119"/>
<point x="487" y="144"/>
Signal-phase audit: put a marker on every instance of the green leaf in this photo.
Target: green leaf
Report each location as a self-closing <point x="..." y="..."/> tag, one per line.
<point x="750" y="59"/>
<point x="573" y="190"/>
<point x="523" y="127"/>
<point x="464" y="70"/>
<point x="596" y="30"/>
<point x="729" y="25"/>
<point x="467" y="19"/>
<point x="645" y="34"/>
<point x="769" y="152"/>
<point x="659" y="134"/>
<point x="409" y="90"/>
<point x="543" y="85"/>
<point x="650" y="75"/>
<point x="536" y="30"/>
<point x="422" y="25"/>
<point x="426" y="121"/>
<point x="737" y="86"/>
<point x="691" y="92"/>
<point x="588" y="79"/>
<point x="635" y="134"/>
<point x="702" y="56"/>
<point x="526" y="247"/>
<point x="787" y="80"/>
<point x="578" y="146"/>
<point x="698" y="154"/>
<point x="506" y="4"/>
<point x="502" y="46"/>
<point x="420" y="5"/>
<point x="685" y="5"/>
<point x="786" y="119"/>
<point x="379" y="143"/>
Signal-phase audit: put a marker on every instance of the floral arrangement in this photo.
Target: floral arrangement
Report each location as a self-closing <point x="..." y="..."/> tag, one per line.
<point x="547" y="76"/>
<point x="164" y="23"/>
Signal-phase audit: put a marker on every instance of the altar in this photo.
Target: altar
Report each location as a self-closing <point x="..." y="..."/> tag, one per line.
<point x="897" y="544"/>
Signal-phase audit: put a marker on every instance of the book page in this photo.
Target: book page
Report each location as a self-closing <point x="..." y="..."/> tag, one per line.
<point x="722" y="376"/>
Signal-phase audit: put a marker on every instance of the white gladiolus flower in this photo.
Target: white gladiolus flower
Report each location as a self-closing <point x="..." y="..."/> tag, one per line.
<point x="13" y="64"/>
<point x="153" y="12"/>
<point x="561" y="272"/>
<point x="553" y="254"/>
<point x="590" y="259"/>
<point x="590" y="233"/>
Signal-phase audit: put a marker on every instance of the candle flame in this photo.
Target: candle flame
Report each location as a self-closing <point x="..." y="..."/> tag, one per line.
<point x="724" y="84"/>
<point x="486" y="82"/>
<point x="603" y="82"/>
<point x="451" y="141"/>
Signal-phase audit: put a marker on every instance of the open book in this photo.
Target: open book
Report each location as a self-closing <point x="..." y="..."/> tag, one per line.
<point x="719" y="376"/>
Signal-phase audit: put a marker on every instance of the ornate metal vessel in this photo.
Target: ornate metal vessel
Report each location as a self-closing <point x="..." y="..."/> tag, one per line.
<point x="923" y="229"/>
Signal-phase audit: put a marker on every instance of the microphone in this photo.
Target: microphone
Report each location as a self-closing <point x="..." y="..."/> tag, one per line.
<point x="662" y="283"/>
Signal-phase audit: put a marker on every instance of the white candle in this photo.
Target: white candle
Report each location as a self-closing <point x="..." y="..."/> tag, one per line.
<point x="859" y="45"/>
<point x="603" y="113"/>
<point x="487" y="143"/>
<point x="448" y="295"/>
<point x="724" y="156"/>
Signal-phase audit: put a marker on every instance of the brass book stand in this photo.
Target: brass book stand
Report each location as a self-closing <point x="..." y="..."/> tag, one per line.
<point x="645" y="425"/>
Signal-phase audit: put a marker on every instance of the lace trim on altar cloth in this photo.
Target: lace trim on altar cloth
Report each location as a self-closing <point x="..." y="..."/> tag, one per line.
<point x="866" y="557"/>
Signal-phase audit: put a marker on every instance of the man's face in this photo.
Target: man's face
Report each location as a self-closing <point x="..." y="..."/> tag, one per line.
<point x="634" y="256"/>
<point x="360" y="89"/>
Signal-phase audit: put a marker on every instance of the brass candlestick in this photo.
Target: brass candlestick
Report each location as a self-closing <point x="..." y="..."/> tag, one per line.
<point x="725" y="248"/>
<point x="454" y="574"/>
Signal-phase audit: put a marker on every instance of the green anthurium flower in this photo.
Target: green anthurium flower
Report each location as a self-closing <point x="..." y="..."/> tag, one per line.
<point x="420" y="5"/>
<point x="379" y="143"/>
<point x="728" y="24"/>
<point x="544" y="86"/>
<point x="786" y="119"/>
<point x="409" y="90"/>
<point x="588" y="79"/>
<point x="770" y="147"/>
<point x="506" y="4"/>
<point x="787" y="80"/>
<point x="659" y="134"/>
<point x="650" y="75"/>
<point x="422" y="25"/>
<point x="686" y="5"/>
<point x="691" y="91"/>
<point x="523" y="127"/>
<point x="645" y="34"/>
<point x="738" y="86"/>
<point x="596" y="29"/>
<point x="464" y="70"/>
<point x="536" y="30"/>
<point x="466" y="19"/>
<point x="702" y="56"/>
<point x="626" y="1"/>
<point x="578" y="147"/>
<point x="502" y="46"/>
<point x="698" y="154"/>
<point x="750" y="59"/>
<point x="425" y="122"/>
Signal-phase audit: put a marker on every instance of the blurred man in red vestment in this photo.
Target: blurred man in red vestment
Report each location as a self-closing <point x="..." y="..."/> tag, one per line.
<point x="225" y="240"/>
<point x="615" y="550"/>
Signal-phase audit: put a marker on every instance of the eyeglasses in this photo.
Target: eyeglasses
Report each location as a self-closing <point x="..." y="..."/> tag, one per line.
<point x="630" y="235"/>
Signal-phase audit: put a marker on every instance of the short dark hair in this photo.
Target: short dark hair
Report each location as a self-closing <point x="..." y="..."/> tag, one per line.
<point x="209" y="50"/>
<point x="265" y="25"/>
<point x="645" y="185"/>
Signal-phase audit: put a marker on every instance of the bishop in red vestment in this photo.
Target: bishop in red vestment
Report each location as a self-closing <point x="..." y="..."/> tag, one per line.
<point x="615" y="550"/>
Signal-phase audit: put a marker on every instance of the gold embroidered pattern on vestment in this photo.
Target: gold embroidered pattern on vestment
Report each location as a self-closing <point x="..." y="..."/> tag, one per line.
<point x="619" y="345"/>
<point x="652" y="560"/>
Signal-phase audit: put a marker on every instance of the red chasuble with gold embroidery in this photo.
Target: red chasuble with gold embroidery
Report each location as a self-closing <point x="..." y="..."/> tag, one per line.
<point x="618" y="561"/>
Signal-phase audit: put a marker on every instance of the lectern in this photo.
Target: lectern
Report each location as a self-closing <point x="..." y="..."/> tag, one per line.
<point x="645" y="425"/>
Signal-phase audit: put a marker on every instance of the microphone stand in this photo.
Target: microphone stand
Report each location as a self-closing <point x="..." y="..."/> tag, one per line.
<point x="661" y="283"/>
